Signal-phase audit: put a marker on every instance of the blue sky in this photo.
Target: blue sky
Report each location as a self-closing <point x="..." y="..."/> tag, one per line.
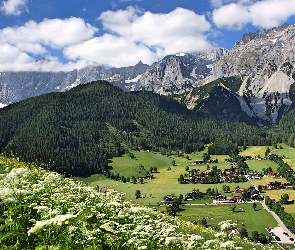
<point x="73" y="34"/>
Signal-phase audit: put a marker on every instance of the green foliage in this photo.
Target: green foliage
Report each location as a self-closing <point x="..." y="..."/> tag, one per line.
<point x="137" y="194"/>
<point x="76" y="132"/>
<point x="284" y="199"/>
<point x="43" y="210"/>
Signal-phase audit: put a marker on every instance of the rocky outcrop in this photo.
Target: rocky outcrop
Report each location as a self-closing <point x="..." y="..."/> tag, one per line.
<point x="265" y="61"/>
<point x="179" y="73"/>
<point x="171" y="75"/>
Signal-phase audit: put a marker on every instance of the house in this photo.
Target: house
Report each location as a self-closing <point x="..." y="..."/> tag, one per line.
<point x="239" y="190"/>
<point x="168" y="200"/>
<point x="110" y="190"/>
<point x="237" y="197"/>
<point x="246" y="157"/>
<point x="198" y="162"/>
<point x="148" y="176"/>
<point x="213" y="161"/>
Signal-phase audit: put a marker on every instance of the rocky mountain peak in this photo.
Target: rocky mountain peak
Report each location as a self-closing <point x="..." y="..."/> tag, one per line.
<point x="263" y="61"/>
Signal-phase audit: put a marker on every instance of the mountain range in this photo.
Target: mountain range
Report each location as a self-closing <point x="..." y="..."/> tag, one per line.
<point x="256" y="77"/>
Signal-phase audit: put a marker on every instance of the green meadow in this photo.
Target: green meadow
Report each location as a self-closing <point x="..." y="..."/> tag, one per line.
<point x="169" y="168"/>
<point x="244" y="215"/>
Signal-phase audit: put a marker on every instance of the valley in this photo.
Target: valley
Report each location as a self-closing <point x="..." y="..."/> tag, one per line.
<point x="169" y="168"/>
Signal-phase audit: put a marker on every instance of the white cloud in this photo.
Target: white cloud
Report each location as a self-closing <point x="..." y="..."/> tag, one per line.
<point x="272" y="13"/>
<point x="179" y="30"/>
<point x="55" y="33"/>
<point x="14" y="7"/>
<point x="12" y="58"/>
<point x="219" y="3"/>
<point x="129" y="35"/>
<point x="39" y="39"/>
<point x="262" y="14"/>
<point x="110" y="50"/>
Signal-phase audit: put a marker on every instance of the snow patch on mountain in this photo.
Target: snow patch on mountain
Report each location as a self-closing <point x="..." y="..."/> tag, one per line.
<point x="2" y="105"/>
<point x="133" y="80"/>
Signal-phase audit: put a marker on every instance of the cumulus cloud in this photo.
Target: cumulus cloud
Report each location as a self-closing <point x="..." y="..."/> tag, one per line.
<point x="55" y="33"/>
<point x="179" y="30"/>
<point x="17" y="43"/>
<point x="14" y="7"/>
<point x="219" y="3"/>
<point x="262" y="14"/>
<point x="12" y="58"/>
<point x="110" y="50"/>
<point x="128" y="36"/>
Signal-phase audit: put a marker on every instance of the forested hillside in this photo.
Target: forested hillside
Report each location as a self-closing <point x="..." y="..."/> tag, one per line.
<point x="76" y="132"/>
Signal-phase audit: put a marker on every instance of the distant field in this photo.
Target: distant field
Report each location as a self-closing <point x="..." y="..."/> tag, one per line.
<point x="259" y="165"/>
<point x="276" y="194"/>
<point x="290" y="209"/>
<point x="154" y="191"/>
<point x="166" y="182"/>
<point x="127" y="166"/>
<point x="253" y="220"/>
<point x="254" y="151"/>
<point x="265" y="180"/>
<point x="286" y="152"/>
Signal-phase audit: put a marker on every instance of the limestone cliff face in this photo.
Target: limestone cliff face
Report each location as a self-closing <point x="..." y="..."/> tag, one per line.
<point x="179" y="73"/>
<point x="259" y="71"/>
<point x="171" y="75"/>
<point x="265" y="61"/>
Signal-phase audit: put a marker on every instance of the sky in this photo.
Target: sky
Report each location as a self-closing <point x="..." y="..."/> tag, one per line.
<point x="63" y="35"/>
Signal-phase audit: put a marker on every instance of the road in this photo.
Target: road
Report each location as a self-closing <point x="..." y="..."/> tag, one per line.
<point x="281" y="226"/>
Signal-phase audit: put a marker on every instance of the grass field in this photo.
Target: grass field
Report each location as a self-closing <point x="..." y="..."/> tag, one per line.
<point x="265" y="180"/>
<point x="259" y="165"/>
<point x="131" y="166"/>
<point x="245" y="214"/>
<point x="290" y="209"/>
<point x="166" y="182"/>
<point x="255" y="151"/>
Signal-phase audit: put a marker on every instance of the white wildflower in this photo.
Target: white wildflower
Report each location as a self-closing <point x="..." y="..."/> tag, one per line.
<point x="214" y="244"/>
<point x="227" y="244"/>
<point x="58" y="220"/>
<point x="170" y="240"/>
<point x="224" y="225"/>
<point x="219" y="235"/>
<point x="17" y="174"/>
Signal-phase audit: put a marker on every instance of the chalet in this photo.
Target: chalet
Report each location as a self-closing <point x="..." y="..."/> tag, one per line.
<point x="277" y="185"/>
<point x="237" y="197"/>
<point x="274" y="185"/>
<point x="257" y="197"/>
<point x="254" y="175"/>
<point x="213" y="161"/>
<point x="246" y="157"/>
<point x="168" y="200"/>
<point x="224" y="201"/>
<point x="148" y="176"/>
<point x="198" y="162"/>
<point x="239" y="190"/>
<point x="110" y="190"/>
<point x="221" y="198"/>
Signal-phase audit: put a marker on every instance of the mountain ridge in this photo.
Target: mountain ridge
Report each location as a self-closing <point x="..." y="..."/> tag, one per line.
<point x="264" y="61"/>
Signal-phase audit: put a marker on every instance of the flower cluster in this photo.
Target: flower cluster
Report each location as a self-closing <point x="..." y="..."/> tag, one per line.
<point x="44" y="209"/>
